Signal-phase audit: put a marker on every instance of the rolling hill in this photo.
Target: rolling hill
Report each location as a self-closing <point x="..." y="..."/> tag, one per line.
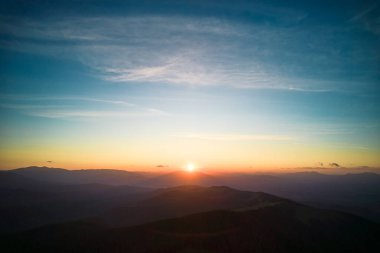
<point x="183" y="200"/>
<point x="286" y="227"/>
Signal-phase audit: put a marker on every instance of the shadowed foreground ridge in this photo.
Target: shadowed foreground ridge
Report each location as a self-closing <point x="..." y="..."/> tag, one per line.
<point x="183" y="200"/>
<point x="284" y="227"/>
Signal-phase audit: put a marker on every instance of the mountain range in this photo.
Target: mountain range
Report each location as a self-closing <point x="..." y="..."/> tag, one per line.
<point x="354" y="193"/>
<point x="57" y="210"/>
<point x="236" y="222"/>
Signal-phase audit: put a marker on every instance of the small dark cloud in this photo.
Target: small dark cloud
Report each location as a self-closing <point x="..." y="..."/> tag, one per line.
<point x="49" y="161"/>
<point x="334" y="165"/>
<point x="162" y="166"/>
<point x="307" y="168"/>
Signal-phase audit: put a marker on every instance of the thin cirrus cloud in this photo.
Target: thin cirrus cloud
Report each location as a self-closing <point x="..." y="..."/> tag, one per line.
<point x="193" y="51"/>
<point x="54" y="113"/>
<point x="48" y="107"/>
<point x="234" y="137"/>
<point x="63" y="98"/>
<point x="367" y="19"/>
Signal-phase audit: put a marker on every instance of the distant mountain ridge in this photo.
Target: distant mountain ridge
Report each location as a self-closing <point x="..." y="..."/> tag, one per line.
<point x="355" y="193"/>
<point x="29" y="200"/>
<point x="102" y="176"/>
<point x="41" y="212"/>
<point x="287" y="227"/>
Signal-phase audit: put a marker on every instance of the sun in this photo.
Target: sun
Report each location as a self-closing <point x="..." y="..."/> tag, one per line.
<point x="190" y="167"/>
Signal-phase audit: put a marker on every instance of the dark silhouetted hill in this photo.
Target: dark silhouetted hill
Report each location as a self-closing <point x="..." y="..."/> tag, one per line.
<point x="355" y="193"/>
<point x="286" y="227"/>
<point x="183" y="200"/>
<point x="101" y="176"/>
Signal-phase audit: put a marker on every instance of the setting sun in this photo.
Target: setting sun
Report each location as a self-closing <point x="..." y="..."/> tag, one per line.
<point x="190" y="167"/>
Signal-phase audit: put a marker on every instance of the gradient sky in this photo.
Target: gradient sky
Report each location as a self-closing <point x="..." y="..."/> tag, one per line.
<point x="239" y="85"/>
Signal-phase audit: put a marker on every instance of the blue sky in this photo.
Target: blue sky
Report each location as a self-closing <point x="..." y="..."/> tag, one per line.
<point x="218" y="83"/>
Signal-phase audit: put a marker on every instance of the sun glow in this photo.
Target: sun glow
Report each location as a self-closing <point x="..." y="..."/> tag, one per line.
<point x="190" y="167"/>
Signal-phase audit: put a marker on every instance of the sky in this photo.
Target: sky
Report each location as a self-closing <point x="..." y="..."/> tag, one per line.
<point x="227" y="85"/>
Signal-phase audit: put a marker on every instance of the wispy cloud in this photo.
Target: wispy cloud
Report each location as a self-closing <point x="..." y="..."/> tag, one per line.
<point x="31" y="105"/>
<point x="63" y="98"/>
<point x="177" y="70"/>
<point x="188" y="51"/>
<point x="50" y="113"/>
<point x="362" y="13"/>
<point x="368" y="19"/>
<point x="234" y="137"/>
